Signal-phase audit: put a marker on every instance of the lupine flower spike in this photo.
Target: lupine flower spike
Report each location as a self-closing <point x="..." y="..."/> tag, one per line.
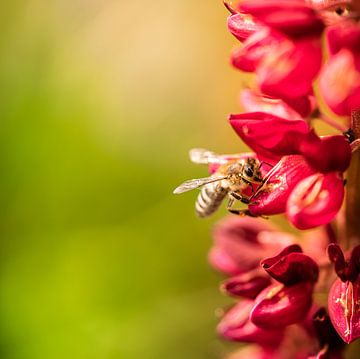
<point x="303" y="62"/>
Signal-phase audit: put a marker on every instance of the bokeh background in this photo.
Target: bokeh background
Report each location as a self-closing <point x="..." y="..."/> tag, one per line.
<point x="100" y="102"/>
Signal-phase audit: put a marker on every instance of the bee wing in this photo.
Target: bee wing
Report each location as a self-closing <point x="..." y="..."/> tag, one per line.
<point x="196" y="183"/>
<point x="205" y="157"/>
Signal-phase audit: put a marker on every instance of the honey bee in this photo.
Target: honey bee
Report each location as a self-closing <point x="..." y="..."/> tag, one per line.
<point x="233" y="175"/>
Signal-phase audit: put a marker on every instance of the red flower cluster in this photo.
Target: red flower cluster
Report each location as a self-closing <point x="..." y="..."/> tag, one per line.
<point x="304" y="56"/>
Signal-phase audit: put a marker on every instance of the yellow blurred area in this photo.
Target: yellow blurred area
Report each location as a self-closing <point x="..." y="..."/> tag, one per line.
<point x="100" y="102"/>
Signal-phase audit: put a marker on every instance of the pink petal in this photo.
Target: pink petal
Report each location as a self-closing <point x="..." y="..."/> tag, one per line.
<point x="293" y="109"/>
<point x="238" y="247"/>
<point x="315" y="200"/>
<point x="289" y="69"/>
<point x="343" y="304"/>
<point x="278" y="306"/>
<point x="339" y="82"/>
<point x="284" y="178"/>
<point x="221" y="261"/>
<point x="271" y="137"/>
<point x="255" y="47"/>
<point x="242" y="26"/>
<point x="294" y="18"/>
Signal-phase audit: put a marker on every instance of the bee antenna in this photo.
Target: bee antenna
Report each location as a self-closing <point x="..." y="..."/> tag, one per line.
<point x="229" y="6"/>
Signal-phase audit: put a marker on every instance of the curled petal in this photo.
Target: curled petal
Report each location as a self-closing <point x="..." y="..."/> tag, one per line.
<point x="344" y="309"/>
<point x="291" y="268"/>
<point x="235" y="325"/>
<point x="278" y="306"/>
<point x="315" y="200"/>
<point x="291" y="17"/>
<point x="247" y="285"/>
<point x="336" y="256"/>
<point x="271" y="137"/>
<point x="283" y="178"/>
<point x="242" y="26"/>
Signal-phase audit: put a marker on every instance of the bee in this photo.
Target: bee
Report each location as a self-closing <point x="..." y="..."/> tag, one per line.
<point x="234" y="174"/>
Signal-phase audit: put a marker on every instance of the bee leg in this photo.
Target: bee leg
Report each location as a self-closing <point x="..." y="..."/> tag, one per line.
<point x="242" y="212"/>
<point x="240" y="197"/>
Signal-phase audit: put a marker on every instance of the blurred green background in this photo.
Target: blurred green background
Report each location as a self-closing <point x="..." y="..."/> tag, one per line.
<point x="100" y="102"/>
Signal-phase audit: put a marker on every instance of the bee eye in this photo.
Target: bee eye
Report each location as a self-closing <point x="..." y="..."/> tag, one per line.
<point x="249" y="171"/>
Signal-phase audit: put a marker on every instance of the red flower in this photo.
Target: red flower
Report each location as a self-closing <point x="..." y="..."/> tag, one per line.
<point x="286" y="303"/>
<point x="307" y="181"/>
<point x="286" y="52"/>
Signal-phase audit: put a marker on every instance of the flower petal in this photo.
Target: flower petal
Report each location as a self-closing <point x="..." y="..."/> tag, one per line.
<point x="283" y="178"/>
<point x="315" y="200"/>
<point x="238" y="246"/>
<point x="256" y="46"/>
<point x="278" y="306"/>
<point x="291" y="267"/>
<point x="343" y="304"/>
<point x="289" y="69"/>
<point x="247" y="285"/>
<point x="242" y="26"/>
<point x="294" y="18"/>
<point x="328" y="153"/>
<point x="339" y="82"/>
<point x="235" y="325"/>
<point x="271" y="137"/>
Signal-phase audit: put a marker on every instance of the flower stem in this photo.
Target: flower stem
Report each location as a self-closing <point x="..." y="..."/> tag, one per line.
<point x="353" y="199"/>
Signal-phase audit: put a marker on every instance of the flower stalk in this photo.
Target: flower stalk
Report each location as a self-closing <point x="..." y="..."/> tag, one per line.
<point x="353" y="193"/>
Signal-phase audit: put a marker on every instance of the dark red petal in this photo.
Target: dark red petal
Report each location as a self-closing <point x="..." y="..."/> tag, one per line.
<point x="327" y="154"/>
<point x="336" y="256"/>
<point x="278" y="306"/>
<point x="235" y="325"/>
<point x="315" y="200"/>
<point x="283" y="179"/>
<point x="242" y="26"/>
<point x="293" y="268"/>
<point x="326" y="332"/>
<point x="268" y="262"/>
<point x="343" y="305"/>
<point x="291" y="17"/>
<point x="247" y="285"/>
<point x="271" y="137"/>
<point x="354" y="264"/>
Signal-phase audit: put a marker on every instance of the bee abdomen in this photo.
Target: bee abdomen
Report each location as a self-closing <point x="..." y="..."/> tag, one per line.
<point x="209" y="199"/>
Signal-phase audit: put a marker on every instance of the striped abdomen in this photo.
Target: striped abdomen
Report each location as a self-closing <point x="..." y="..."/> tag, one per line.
<point x="209" y="199"/>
